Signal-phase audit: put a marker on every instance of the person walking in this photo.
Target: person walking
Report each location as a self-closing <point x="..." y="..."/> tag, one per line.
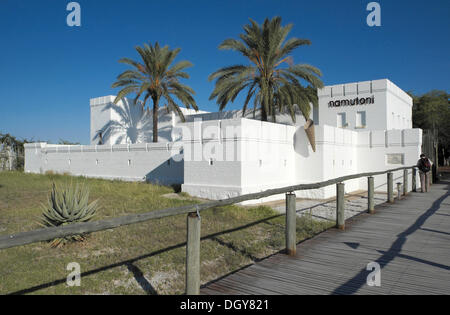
<point x="424" y="166"/>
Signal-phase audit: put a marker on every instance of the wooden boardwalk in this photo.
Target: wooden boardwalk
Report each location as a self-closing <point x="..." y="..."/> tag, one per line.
<point x="410" y="239"/>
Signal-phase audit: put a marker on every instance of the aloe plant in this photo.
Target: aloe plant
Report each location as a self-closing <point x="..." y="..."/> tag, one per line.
<point x="67" y="205"/>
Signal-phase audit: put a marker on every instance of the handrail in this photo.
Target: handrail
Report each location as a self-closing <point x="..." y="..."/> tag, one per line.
<point x="45" y="234"/>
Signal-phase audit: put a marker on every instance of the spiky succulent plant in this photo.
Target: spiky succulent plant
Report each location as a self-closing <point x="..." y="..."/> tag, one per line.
<point x="67" y="205"/>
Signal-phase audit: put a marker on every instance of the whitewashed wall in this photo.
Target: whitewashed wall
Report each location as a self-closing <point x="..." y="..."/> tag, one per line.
<point x="275" y="155"/>
<point x="125" y="122"/>
<point x="154" y="162"/>
<point x="375" y="145"/>
<point x="225" y="158"/>
<point x="226" y="155"/>
<point x="236" y="156"/>
<point x="392" y="108"/>
<point x="399" y="107"/>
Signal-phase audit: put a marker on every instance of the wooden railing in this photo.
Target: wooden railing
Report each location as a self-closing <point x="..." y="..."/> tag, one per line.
<point x="194" y="219"/>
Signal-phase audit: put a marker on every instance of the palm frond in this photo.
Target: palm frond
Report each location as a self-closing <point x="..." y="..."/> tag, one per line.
<point x="272" y="80"/>
<point x="157" y="78"/>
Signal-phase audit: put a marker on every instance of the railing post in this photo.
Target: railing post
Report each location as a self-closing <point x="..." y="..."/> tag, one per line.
<point x="399" y="191"/>
<point x="390" y="187"/>
<point x="414" y="182"/>
<point x="291" y="225"/>
<point x="340" y="207"/>
<point x="370" y="195"/>
<point x="405" y="182"/>
<point x="193" y="254"/>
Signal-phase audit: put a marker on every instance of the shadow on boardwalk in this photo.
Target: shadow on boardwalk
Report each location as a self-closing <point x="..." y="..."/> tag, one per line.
<point x="408" y="239"/>
<point x="394" y="251"/>
<point x="294" y="282"/>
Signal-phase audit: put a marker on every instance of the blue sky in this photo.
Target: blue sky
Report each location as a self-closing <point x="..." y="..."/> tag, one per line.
<point x="49" y="70"/>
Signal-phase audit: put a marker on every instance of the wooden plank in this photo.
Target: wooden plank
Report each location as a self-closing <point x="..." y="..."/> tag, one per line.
<point x="193" y="254"/>
<point x="46" y="234"/>
<point x="410" y="239"/>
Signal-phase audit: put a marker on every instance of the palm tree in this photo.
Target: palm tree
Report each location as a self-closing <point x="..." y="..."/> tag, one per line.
<point x="132" y="126"/>
<point x="155" y="78"/>
<point x="270" y="79"/>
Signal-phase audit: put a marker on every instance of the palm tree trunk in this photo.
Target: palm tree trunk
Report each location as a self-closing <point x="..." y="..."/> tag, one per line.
<point x="263" y="113"/>
<point x="155" y="119"/>
<point x="271" y="104"/>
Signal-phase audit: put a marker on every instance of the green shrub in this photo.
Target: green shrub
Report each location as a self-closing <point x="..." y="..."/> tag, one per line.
<point x="68" y="205"/>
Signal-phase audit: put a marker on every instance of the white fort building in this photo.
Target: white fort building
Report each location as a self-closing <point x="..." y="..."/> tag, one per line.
<point x="358" y="127"/>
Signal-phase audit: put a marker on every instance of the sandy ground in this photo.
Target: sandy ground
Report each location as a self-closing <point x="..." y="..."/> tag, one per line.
<point x="355" y="203"/>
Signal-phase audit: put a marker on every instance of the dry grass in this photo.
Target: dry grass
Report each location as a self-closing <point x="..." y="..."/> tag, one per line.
<point x="145" y="258"/>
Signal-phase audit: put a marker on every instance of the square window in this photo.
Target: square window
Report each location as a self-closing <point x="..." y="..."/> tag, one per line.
<point x="341" y="120"/>
<point x="360" y="119"/>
